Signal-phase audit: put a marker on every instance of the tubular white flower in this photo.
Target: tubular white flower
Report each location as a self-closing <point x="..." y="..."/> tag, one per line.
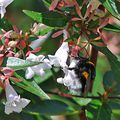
<point x="14" y="102"/>
<point x="60" y="57"/>
<point x="3" y="5"/>
<point x="70" y="79"/>
<point x="35" y="58"/>
<point x="37" y="69"/>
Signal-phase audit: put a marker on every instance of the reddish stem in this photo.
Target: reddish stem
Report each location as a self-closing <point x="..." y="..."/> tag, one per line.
<point x="82" y="115"/>
<point x="94" y="55"/>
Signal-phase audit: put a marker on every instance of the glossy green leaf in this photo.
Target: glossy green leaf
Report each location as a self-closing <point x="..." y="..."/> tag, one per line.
<point x="47" y="2"/>
<point x="50" y="107"/>
<point x="113" y="28"/>
<point x="17" y="63"/>
<point x="111" y="7"/>
<point x="109" y="82"/>
<point x="98" y="111"/>
<point x="113" y="60"/>
<point x="80" y="2"/>
<point x="82" y="101"/>
<point x="49" y="18"/>
<point x="101" y="67"/>
<point x="45" y="31"/>
<point x="31" y="86"/>
<point x="67" y="101"/>
<point x="108" y="79"/>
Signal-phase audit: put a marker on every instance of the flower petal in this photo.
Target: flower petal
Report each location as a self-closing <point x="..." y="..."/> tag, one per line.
<point x="8" y="109"/>
<point x="41" y="72"/>
<point x="29" y="73"/>
<point x="60" y="80"/>
<point x="3" y="5"/>
<point x="10" y="92"/>
<point x="2" y="11"/>
<point x="54" y="60"/>
<point x="24" y="102"/>
<point x="35" y="58"/>
<point x="6" y="2"/>
<point x="62" y="54"/>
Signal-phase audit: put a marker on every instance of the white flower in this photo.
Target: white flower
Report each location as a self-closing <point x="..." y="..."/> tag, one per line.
<point x="35" y="58"/>
<point x="60" y="57"/>
<point x="73" y="63"/>
<point x="37" y="69"/>
<point x="71" y="79"/>
<point x="14" y="102"/>
<point x="3" y="5"/>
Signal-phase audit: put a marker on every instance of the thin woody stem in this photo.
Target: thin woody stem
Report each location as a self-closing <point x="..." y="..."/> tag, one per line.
<point x="70" y="96"/>
<point x="82" y="115"/>
<point x="94" y="55"/>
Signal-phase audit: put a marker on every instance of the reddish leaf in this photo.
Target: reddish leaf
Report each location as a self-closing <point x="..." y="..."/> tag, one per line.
<point x="53" y="5"/>
<point x="88" y="11"/>
<point x="58" y="33"/>
<point x="22" y="44"/>
<point x="1" y="58"/>
<point x="8" y="71"/>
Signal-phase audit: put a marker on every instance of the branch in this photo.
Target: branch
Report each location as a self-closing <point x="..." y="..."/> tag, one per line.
<point x="70" y="96"/>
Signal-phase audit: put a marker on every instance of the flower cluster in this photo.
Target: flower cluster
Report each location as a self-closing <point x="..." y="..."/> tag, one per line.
<point x="60" y="59"/>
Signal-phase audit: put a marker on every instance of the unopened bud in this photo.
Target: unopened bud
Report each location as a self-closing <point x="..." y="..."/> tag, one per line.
<point x="12" y="44"/>
<point x="8" y="71"/>
<point x="13" y="35"/>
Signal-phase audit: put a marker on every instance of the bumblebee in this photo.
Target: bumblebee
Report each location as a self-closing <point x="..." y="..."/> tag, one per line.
<point x="85" y="71"/>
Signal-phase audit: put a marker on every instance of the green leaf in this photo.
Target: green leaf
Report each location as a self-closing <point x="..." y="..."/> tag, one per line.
<point x="17" y="63"/>
<point x="49" y="107"/>
<point x="113" y="28"/>
<point x="31" y="86"/>
<point x="101" y="67"/>
<point x="109" y="82"/>
<point x="67" y="101"/>
<point x="80" y="2"/>
<point x="111" y="7"/>
<point x="82" y="101"/>
<point x="108" y="79"/>
<point x="98" y="111"/>
<point x="47" y="2"/>
<point x="45" y="30"/>
<point x="113" y="60"/>
<point x="4" y="24"/>
<point x="49" y="18"/>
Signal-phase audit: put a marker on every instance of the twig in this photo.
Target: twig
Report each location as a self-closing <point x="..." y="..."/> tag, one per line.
<point x="70" y="96"/>
<point x="94" y="54"/>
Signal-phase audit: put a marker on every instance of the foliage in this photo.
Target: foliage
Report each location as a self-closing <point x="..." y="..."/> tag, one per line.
<point x="85" y="27"/>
